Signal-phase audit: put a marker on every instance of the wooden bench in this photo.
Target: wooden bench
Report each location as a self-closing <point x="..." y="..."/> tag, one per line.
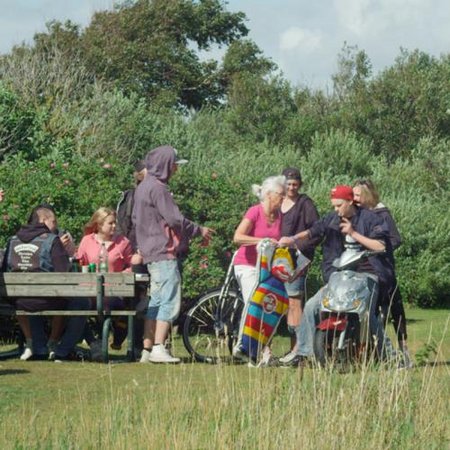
<point x="79" y="285"/>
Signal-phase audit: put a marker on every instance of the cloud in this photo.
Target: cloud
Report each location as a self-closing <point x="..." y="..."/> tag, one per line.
<point x="352" y="15"/>
<point x="296" y="38"/>
<point x="369" y="18"/>
<point x="21" y="19"/>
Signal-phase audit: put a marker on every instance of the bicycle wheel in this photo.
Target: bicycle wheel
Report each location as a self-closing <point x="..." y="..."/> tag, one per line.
<point x="210" y="329"/>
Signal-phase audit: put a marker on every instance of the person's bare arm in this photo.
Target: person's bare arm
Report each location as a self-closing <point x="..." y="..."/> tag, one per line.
<point x="241" y="236"/>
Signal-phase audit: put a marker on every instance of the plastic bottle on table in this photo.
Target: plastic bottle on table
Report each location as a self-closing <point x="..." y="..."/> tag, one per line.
<point x="103" y="258"/>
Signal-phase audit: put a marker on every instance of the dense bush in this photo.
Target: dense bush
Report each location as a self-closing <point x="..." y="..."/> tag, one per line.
<point x="399" y="106"/>
<point x="216" y="192"/>
<point x="19" y="124"/>
<point x="75" y="186"/>
<point x="68" y="137"/>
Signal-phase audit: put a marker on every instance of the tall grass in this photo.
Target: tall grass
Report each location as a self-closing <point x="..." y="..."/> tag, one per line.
<point x="195" y="406"/>
<point x="236" y="407"/>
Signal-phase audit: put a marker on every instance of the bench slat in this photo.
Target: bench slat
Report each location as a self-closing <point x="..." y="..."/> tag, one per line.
<point x="64" y="277"/>
<point x="75" y="313"/>
<point x="43" y="284"/>
<point x="66" y="291"/>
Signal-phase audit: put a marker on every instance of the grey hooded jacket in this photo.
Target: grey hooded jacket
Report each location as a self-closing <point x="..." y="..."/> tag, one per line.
<point x="159" y="224"/>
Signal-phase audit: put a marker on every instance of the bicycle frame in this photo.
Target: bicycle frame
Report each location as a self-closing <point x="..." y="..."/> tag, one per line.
<point x="212" y="324"/>
<point x="229" y="278"/>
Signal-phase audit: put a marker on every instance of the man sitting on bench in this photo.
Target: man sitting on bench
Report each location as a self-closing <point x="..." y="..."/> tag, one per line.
<point x="36" y="248"/>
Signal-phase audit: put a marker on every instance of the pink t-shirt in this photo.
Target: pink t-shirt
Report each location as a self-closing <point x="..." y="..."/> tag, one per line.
<point x="119" y="252"/>
<point x="247" y="254"/>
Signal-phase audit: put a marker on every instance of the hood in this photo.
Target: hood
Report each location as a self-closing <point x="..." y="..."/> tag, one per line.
<point x="380" y="207"/>
<point x="159" y="162"/>
<point x="28" y="232"/>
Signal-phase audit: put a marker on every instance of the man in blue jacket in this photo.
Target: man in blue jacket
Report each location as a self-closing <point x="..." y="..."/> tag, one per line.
<point x="37" y="247"/>
<point x="160" y="228"/>
<point x="363" y="226"/>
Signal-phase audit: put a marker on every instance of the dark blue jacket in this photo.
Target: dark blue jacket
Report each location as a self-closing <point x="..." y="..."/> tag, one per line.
<point x="393" y="234"/>
<point x="35" y="249"/>
<point x="364" y="222"/>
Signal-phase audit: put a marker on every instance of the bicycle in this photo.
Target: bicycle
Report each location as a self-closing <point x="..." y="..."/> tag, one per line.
<point x="211" y="326"/>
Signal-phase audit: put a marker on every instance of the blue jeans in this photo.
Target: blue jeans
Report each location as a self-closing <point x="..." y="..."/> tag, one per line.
<point x="72" y="333"/>
<point x="38" y="335"/>
<point x="74" y="327"/>
<point x="306" y="330"/>
<point x="165" y="291"/>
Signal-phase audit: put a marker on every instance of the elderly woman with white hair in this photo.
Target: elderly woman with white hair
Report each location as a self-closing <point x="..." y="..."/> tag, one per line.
<point x="261" y="221"/>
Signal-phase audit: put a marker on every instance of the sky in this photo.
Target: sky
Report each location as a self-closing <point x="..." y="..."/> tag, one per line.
<point x="303" y="37"/>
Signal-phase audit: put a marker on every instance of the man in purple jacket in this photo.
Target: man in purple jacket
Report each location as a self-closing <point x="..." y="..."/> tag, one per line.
<point x="160" y="227"/>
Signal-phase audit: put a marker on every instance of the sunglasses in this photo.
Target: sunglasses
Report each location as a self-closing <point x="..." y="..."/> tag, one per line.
<point x="366" y="183"/>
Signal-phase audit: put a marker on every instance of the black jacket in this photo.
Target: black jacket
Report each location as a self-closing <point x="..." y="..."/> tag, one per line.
<point x="364" y="222"/>
<point x="59" y="257"/>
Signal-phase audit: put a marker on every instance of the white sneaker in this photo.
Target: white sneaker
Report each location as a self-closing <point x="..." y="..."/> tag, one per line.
<point x="27" y="354"/>
<point x="51" y="347"/>
<point x="145" y="356"/>
<point x="160" y="354"/>
<point x="288" y="357"/>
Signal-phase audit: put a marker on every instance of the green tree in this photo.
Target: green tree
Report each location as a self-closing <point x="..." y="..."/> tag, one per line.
<point x="63" y="36"/>
<point x="245" y="56"/>
<point x="398" y="107"/>
<point x="20" y="125"/>
<point x="260" y="107"/>
<point x="147" y="47"/>
<point x="354" y="69"/>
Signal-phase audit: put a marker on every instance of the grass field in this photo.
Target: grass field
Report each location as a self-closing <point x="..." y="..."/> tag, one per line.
<point x="194" y="406"/>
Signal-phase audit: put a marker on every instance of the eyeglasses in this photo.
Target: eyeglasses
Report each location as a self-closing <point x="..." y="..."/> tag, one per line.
<point x="281" y="194"/>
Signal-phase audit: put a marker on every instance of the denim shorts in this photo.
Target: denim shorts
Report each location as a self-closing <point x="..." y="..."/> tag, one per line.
<point x="296" y="288"/>
<point x="165" y="290"/>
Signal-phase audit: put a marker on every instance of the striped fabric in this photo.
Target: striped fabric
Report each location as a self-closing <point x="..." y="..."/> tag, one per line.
<point x="268" y="304"/>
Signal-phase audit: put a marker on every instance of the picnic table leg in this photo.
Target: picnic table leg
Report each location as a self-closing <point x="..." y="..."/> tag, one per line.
<point x="130" y="339"/>
<point x="105" y="339"/>
<point x="106" y="322"/>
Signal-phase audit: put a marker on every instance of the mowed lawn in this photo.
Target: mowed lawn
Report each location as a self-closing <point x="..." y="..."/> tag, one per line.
<point x="197" y="406"/>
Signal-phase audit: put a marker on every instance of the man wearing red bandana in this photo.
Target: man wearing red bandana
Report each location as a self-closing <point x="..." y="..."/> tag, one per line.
<point x="347" y="221"/>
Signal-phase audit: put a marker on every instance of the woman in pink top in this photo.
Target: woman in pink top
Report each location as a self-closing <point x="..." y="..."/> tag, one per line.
<point x="101" y="229"/>
<point x="260" y="222"/>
